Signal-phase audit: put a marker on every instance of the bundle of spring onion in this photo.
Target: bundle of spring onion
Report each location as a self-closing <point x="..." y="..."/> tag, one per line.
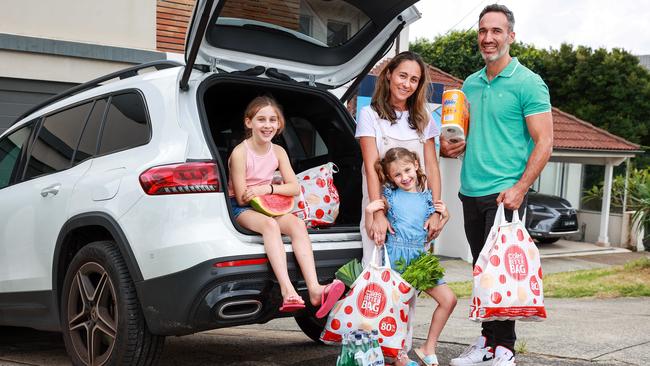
<point x="423" y="272"/>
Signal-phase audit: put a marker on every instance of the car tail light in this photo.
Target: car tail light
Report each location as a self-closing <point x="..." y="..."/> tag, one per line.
<point x="242" y="262"/>
<point x="196" y="177"/>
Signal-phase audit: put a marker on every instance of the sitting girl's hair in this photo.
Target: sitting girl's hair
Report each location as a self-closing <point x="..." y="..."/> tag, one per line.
<point x="399" y="153"/>
<point x="258" y="103"/>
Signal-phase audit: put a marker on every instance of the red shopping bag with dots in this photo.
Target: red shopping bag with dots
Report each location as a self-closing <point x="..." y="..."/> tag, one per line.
<point x="378" y="299"/>
<point x="319" y="204"/>
<point x="508" y="275"/>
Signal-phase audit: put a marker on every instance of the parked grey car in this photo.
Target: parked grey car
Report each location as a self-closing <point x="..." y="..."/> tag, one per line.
<point x="548" y="218"/>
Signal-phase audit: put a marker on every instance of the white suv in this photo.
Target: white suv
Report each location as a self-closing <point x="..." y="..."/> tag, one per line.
<point x="115" y="227"/>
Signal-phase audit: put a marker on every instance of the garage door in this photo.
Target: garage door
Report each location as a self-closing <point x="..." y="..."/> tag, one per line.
<point x="18" y="95"/>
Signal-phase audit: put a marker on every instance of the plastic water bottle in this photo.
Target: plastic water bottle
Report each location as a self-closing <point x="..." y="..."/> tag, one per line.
<point x="359" y="353"/>
<point x="348" y="356"/>
<point x="343" y="359"/>
<point x="376" y="349"/>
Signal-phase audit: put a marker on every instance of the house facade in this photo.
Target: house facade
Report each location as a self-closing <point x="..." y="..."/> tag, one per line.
<point x="48" y="47"/>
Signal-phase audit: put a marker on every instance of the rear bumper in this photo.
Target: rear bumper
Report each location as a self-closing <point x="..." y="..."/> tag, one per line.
<point x="206" y="297"/>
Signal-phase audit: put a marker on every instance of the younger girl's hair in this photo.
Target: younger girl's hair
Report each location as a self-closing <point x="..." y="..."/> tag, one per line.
<point x="418" y="114"/>
<point x="258" y="103"/>
<point x="401" y="154"/>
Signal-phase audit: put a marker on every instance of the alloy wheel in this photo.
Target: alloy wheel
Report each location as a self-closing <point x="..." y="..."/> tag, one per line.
<point x="92" y="314"/>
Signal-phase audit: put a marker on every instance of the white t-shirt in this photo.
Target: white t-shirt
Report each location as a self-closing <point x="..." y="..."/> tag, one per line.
<point x="368" y="125"/>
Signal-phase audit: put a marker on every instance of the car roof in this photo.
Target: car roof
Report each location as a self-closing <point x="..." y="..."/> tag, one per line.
<point x="92" y="88"/>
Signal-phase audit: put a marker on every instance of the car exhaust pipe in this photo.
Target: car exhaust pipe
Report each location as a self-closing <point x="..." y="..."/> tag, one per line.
<point x="239" y="309"/>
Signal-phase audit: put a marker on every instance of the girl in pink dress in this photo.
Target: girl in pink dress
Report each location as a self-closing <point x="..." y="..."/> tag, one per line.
<point x="252" y="165"/>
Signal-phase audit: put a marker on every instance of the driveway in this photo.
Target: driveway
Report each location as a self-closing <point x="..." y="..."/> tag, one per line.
<point x="579" y="332"/>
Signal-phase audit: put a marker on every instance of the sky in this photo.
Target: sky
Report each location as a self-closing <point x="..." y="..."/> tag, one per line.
<point x="549" y="23"/>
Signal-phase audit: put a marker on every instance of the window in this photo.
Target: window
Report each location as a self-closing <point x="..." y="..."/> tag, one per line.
<point x="337" y="32"/>
<point x="88" y="143"/>
<point x="56" y="141"/>
<point x="125" y="125"/>
<point x="305" y="25"/>
<point x="10" y="147"/>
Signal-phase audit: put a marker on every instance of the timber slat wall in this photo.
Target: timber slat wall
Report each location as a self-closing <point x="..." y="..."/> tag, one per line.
<point x="172" y="19"/>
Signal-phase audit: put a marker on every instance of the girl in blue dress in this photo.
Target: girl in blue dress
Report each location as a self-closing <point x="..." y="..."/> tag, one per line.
<point x="408" y="206"/>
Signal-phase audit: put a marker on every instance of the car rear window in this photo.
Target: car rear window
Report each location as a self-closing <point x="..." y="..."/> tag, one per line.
<point x="125" y="125"/>
<point x="328" y="23"/>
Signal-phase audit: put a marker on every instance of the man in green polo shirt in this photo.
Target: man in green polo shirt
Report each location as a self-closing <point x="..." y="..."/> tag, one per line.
<point x="510" y="141"/>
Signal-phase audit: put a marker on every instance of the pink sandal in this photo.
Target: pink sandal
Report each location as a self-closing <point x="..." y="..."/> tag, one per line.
<point x="331" y="294"/>
<point x="292" y="304"/>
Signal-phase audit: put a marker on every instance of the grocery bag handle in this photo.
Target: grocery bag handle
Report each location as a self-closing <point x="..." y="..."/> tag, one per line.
<point x="377" y="261"/>
<point x="500" y="217"/>
<point x="516" y="217"/>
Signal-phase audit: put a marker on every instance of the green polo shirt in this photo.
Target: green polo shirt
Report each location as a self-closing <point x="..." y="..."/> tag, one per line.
<point x="499" y="144"/>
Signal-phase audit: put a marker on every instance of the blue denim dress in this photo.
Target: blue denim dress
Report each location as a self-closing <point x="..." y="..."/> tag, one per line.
<point x="407" y="213"/>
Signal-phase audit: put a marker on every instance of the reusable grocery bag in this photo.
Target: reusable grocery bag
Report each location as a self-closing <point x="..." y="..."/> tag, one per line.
<point x="300" y="208"/>
<point x="378" y="299"/>
<point x="508" y="275"/>
<point x="319" y="204"/>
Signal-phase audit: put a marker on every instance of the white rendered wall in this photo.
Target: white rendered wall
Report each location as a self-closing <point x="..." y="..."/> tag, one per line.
<point x="573" y="184"/>
<point x="548" y="179"/>
<point x="551" y="181"/>
<point x="122" y="23"/>
<point x="452" y="242"/>
<point x="592" y="221"/>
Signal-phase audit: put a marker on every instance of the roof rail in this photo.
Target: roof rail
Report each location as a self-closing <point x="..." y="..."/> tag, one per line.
<point x="122" y="74"/>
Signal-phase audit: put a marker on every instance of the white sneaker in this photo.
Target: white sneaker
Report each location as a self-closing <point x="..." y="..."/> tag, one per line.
<point x="503" y="357"/>
<point x="475" y="355"/>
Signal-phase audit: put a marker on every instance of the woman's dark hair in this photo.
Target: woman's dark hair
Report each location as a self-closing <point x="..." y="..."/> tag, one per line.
<point x="418" y="114"/>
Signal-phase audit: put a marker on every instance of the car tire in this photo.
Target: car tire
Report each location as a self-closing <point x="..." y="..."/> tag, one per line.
<point x="547" y="240"/>
<point x="311" y="326"/>
<point x="99" y="303"/>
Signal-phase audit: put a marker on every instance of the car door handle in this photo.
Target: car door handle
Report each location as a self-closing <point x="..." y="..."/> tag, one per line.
<point x="53" y="189"/>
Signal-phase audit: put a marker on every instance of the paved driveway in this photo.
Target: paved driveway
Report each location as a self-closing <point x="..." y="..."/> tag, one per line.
<point x="579" y="332"/>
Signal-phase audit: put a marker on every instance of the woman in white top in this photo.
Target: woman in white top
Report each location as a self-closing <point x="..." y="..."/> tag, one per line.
<point x="397" y="117"/>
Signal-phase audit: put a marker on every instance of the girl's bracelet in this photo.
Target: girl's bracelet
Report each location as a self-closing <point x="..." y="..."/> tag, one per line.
<point x="271" y="185"/>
